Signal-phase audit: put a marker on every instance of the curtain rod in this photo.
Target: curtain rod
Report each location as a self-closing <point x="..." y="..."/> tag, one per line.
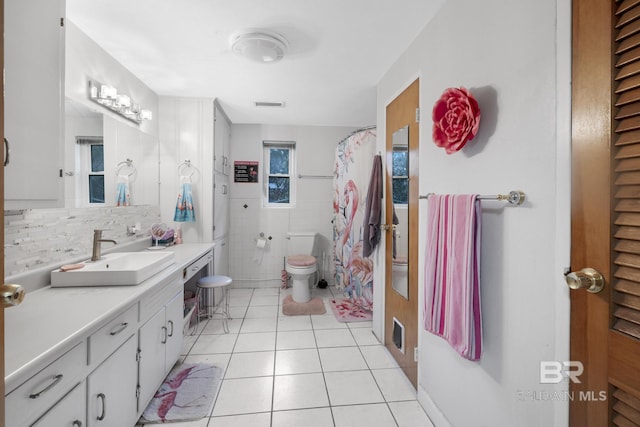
<point x="355" y="132"/>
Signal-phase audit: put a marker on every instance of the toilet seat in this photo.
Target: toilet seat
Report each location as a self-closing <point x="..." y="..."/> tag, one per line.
<point x="301" y="260"/>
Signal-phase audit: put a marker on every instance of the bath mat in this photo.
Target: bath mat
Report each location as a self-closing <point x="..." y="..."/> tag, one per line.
<point x="346" y="311"/>
<point x="292" y="308"/>
<point x="186" y="394"/>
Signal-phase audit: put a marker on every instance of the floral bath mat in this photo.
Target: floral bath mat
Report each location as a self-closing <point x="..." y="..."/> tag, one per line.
<point x="346" y="311"/>
<point x="186" y="394"/>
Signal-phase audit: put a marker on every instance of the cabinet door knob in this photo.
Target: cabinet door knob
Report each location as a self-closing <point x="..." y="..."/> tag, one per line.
<point x="7" y="151"/>
<point x="164" y="331"/>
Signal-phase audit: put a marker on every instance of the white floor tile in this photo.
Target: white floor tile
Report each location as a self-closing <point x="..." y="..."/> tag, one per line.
<point x="239" y="300"/>
<point x="410" y="414"/>
<point x="299" y="391"/>
<point x="351" y="388"/>
<point x="187" y="343"/>
<point x="303" y="361"/>
<point x="261" y="311"/>
<point x="394" y="384"/>
<point x="264" y="300"/>
<point x="334" y="338"/>
<point x="364" y="336"/>
<point x="237" y="312"/>
<point x="317" y="417"/>
<point x="244" y="365"/>
<point x="259" y="341"/>
<point x="215" y="326"/>
<point x="267" y="291"/>
<point x="243" y="396"/>
<point x="290" y="340"/>
<point x="378" y="357"/>
<point x="209" y="344"/>
<point x="358" y="325"/>
<point x="249" y="420"/>
<point x="294" y="323"/>
<point x="363" y="416"/>
<point x="327" y="322"/>
<point x="259" y="325"/>
<point x="341" y="359"/>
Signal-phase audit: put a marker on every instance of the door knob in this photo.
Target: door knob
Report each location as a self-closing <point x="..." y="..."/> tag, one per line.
<point x="11" y="295"/>
<point x="587" y="278"/>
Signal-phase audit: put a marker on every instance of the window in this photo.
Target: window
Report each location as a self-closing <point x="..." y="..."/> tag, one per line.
<point x="400" y="175"/>
<point x="278" y="173"/>
<point x="90" y="178"/>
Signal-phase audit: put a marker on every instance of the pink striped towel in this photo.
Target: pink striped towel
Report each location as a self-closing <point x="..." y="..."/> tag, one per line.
<point x="452" y="272"/>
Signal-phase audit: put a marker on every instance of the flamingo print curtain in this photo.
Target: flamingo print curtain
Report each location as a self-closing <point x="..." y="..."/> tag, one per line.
<point x="353" y="271"/>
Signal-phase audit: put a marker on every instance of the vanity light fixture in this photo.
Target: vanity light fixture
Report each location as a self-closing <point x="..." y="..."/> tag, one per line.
<point x="119" y="103"/>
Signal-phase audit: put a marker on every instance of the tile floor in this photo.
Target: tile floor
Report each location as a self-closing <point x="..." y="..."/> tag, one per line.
<point x="309" y="371"/>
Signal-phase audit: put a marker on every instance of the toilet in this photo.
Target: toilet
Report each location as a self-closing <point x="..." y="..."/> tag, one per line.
<point x="300" y="264"/>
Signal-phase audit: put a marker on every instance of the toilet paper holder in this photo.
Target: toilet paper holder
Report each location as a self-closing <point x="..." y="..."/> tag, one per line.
<point x="261" y="236"/>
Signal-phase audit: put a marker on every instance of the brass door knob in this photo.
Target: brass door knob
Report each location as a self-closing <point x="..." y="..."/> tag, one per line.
<point x="587" y="278"/>
<point x="11" y="295"/>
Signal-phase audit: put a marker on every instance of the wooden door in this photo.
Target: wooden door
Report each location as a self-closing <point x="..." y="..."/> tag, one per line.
<point x="401" y="112"/>
<point x="605" y="230"/>
<point x="2" y="411"/>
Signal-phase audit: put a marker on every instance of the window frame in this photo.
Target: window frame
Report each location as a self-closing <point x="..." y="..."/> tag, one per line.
<point x="266" y="156"/>
<point x="84" y="146"/>
<point x="403" y="148"/>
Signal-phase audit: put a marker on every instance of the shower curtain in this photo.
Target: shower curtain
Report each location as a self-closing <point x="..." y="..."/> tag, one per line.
<point x="353" y="271"/>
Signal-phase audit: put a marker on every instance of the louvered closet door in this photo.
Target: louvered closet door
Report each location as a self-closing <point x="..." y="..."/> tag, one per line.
<point x="605" y="326"/>
<point x="624" y="357"/>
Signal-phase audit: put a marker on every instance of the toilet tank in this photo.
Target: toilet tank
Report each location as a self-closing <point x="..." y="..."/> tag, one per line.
<point x="301" y="242"/>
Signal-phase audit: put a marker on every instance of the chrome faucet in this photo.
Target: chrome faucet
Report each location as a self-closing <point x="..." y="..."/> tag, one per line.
<point x="97" y="239"/>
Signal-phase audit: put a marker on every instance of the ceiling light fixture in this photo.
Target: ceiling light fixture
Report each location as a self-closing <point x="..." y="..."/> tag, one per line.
<point x="258" y="45"/>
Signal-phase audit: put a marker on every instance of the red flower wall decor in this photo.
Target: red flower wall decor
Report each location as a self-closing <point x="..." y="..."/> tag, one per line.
<point x="456" y="119"/>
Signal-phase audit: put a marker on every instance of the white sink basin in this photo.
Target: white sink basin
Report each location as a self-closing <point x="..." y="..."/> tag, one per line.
<point x="121" y="268"/>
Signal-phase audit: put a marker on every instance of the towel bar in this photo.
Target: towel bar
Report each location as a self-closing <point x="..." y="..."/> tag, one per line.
<point x="515" y="197"/>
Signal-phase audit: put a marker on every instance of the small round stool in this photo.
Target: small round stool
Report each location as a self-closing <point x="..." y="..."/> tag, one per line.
<point x="208" y="284"/>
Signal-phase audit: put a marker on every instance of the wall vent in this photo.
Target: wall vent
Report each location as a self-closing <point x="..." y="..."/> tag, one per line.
<point x="269" y="104"/>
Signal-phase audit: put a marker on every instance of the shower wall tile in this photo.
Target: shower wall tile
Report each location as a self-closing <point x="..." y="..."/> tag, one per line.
<point x="35" y="238"/>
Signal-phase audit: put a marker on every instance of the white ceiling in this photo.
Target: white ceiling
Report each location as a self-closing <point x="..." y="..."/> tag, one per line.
<point x="338" y="52"/>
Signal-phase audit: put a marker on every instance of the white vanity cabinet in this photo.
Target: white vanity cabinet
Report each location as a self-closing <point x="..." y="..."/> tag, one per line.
<point x="111" y="388"/>
<point x="221" y="140"/>
<point x="159" y="338"/>
<point x="34" y="102"/>
<point x="70" y="411"/>
<point x="40" y="393"/>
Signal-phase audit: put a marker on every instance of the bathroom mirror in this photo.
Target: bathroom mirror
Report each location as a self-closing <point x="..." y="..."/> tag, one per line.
<point x="400" y="194"/>
<point x="97" y="148"/>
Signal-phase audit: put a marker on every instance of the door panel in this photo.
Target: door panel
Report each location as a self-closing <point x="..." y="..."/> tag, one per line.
<point x="2" y="216"/>
<point x="605" y="230"/>
<point x="401" y="113"/>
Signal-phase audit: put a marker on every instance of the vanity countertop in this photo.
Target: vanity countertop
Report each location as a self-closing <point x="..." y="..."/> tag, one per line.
<point x="51" y="321"/>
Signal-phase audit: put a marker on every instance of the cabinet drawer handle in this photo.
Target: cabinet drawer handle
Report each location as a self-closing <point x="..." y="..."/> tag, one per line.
<point x="171" y="324"/>
<point x="77" y="423"/>
<point x="164" y="330"/>
<point x="120" y="328"/>
<point x="56" y="380"/>
<point x="103" y="398"/>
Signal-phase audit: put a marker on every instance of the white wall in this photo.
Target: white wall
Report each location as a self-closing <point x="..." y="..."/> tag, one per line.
<point x="315" y="153"/>
<point x="506" y="54"/>
<point x="186" y="133"/>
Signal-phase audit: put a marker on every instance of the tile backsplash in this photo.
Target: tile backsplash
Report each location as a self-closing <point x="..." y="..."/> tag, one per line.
<point x="35" y="238"/>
